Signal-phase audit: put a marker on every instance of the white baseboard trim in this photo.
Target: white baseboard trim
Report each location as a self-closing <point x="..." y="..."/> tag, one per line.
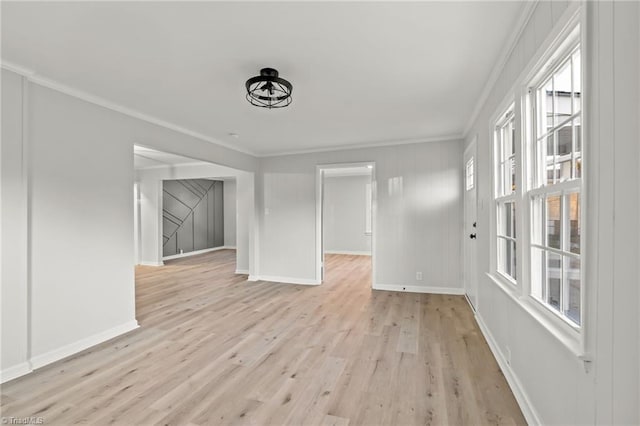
<point x="193" y="253"/>
<point x="242" y="271"/>
<point x="151" y="263"/>
<point x="473" y="308"/>
<point x="15" y="372"/>
<point x="284" y="280"/>
<point x="419" y="289"/>
<point x="529" y="412"/>
<point x="73" y="348"/>
<point x="354" y="253"/>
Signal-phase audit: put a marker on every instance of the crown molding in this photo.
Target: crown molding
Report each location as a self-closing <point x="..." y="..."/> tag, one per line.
<point x="25" y="72"/>
<point x="510" y="45"/>
<point x="35" y="78"/>
<point x="382" y="144"/>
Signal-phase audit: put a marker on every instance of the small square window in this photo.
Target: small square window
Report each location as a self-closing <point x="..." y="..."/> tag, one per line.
<point x="469" y="173"/>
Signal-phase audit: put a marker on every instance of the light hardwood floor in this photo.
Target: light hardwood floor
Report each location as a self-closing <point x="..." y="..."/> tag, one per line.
<point x="215" y="349"/>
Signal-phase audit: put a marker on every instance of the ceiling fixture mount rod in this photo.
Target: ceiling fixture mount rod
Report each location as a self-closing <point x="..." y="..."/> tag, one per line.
<point x="269" y="90"/>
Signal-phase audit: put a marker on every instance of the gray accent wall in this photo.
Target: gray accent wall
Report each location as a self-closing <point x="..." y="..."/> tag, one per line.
<point x="192" y="215"/>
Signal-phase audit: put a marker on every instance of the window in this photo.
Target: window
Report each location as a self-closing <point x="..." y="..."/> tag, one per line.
<point x="469" y="174"/>
<point x="505" y="194"/>
<point x="555" y="187"/>
<point x="537" y="252"/>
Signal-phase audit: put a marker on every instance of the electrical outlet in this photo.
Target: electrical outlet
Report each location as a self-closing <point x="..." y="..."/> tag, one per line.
<point x="181" y="251"/>
<point x="419" y="276"/>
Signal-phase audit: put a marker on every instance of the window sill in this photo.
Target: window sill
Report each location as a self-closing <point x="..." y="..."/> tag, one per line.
<point x="506" y="282"/>
<point x="570" y="338"/>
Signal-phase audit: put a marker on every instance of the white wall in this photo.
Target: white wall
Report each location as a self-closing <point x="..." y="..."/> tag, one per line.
<point x="150" y="208"/>
<point x="80" y="224"/>
<point x="246" y="213"/>
<point x="417" y="222"/>
<point x="67" y="179"/>
<point x="150" y="183"/>
<point x="229" y="212"/>
<point x="136" y="224"/>
<point x="344" y="215"/>
<point x="13" y="226"/>
<point x="553" y="384"/>
<point x="616" y="142"/>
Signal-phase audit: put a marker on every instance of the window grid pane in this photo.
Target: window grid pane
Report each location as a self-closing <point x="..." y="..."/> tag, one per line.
<point x="506" y="243"/>
<point x="572" y="288"/>
<point x="554" y="280"/>
<point x="507" y="257"/>
<point x="562" y="94"/>
<point x="505" y="156"/>
<point x="505" y="180"/>
<point x="553" y="215"/>
<point x="577" y="82"/>
<point x="573" y="227"/>
<point x="558" y="103"/>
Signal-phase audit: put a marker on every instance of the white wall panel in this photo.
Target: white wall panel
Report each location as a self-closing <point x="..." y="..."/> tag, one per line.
<point x="246" y="245"/>
<point x="81" y="227"/>
<point x="150" y="222"/>
<point x="14" y="231"/>
<point x="625" y="82"/>
<point x="558" y="387"/>
<point x="77" y="285"/>
<point x="230" y="212"/>
<point x="344" y="214"/>
<point x="417" y="222"/>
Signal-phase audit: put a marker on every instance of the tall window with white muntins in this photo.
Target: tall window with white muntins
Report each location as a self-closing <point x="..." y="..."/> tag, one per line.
<point x="555" y="183"/>
<point x="505" y="194"/>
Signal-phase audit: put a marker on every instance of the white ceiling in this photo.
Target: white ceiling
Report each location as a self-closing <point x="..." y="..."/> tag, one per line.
<point x="362" y="73"/>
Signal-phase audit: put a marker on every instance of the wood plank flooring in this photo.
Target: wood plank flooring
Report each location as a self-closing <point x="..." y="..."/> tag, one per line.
<point x="213" y="349"/>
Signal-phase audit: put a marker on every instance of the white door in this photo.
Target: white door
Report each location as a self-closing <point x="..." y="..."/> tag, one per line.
<point x="470" y="272"/>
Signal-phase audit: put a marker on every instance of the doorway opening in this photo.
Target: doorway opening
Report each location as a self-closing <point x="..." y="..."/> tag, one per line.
<point x="345" y="219"/>
<point x="185" y="207"/>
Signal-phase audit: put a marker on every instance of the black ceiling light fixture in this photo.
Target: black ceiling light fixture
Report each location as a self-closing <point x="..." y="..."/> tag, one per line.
<point x="268" y="90"/>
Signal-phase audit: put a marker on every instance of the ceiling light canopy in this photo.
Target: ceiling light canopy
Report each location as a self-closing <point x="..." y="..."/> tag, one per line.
<point x="268" y="90"/>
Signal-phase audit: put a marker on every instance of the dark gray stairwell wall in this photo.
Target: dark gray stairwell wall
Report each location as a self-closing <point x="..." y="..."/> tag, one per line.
<point x="192" y="215"/>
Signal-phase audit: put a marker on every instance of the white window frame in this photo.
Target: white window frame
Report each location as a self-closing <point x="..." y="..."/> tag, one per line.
<point x="537" y="186"/>
<point x="503" y="197"/>
<point x="578" y="340"/>
<point x="470" y="174"/>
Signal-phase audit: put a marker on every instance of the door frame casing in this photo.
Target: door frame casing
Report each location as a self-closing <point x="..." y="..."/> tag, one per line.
<point x="471" y="149"/>
<point x="320" y="168"/>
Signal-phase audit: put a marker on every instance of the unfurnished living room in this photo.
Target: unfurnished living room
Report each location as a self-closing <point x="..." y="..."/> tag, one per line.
<point x="320" y="213"/>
